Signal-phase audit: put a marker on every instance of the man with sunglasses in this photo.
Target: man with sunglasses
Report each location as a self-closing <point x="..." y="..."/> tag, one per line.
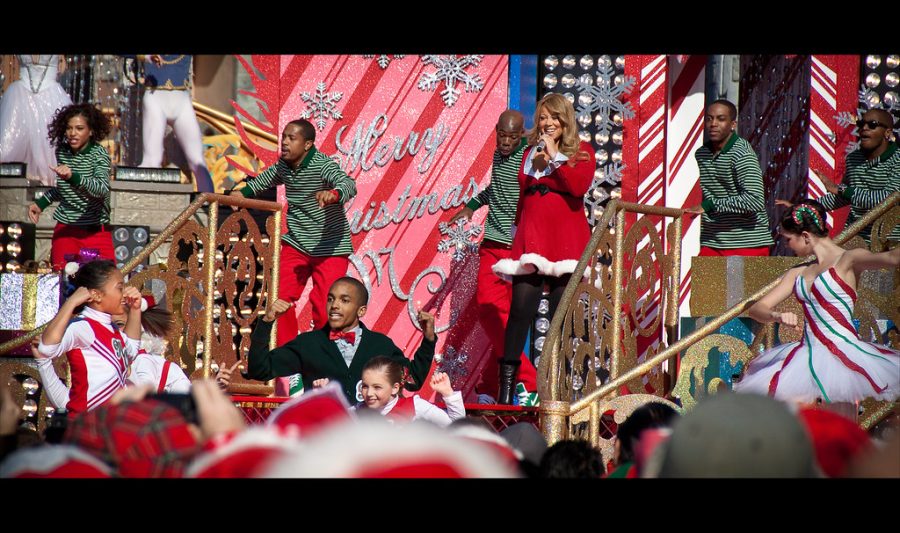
<point x="872" y="172"/>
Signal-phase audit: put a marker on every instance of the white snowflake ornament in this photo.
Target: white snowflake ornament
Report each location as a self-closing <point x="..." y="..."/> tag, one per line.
<point x="451" y="70"/>
<point x="321" y="105"/>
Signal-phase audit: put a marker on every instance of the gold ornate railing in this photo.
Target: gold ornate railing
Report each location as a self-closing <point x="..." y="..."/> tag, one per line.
<point x="214" y="302"/>
<point x="603" y="316"/>
<point x="565" y="410"/>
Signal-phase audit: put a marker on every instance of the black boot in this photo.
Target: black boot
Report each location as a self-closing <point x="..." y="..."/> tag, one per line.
<point x="508" y="372"/>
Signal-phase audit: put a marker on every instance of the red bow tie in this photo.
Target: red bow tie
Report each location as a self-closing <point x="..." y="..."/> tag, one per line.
<point x="348" y="336"/>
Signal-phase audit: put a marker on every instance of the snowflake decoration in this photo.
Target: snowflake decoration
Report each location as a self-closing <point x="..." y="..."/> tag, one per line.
<point x="603" y="98"/>
<point x="321" y="105"/>
<point x="454" y="364"/>
<point x="597" y="194"/>
<point x="383" y="60"/>
<point x="459" y="238"/>
<point x="451" y="70"/>
<point x="613" y="172"/>
<point x="846" y="119"/>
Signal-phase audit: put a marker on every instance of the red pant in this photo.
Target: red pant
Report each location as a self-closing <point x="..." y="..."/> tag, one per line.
<point x="493" y="297"/>
<point x="761" y="251"/>
<point x="296" y="269"/>
<point x="69" y="239"/>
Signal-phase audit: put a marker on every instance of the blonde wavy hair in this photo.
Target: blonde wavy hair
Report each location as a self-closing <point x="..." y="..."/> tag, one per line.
<point x="558" y="105"/>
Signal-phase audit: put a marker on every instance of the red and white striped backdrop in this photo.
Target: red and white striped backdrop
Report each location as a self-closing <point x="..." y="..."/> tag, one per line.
<point x="645" y="161"/>
<point x="684" y="135"/>
<point x="466" y="153"/>
<point x="833" y="89"/>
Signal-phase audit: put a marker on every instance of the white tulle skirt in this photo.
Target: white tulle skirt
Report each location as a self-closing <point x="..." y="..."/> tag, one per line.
<point x="24" y="116"/>
<point x="816" y="373"/>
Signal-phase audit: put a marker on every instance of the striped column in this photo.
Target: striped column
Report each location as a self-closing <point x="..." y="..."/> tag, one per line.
<point x="684" y="135"/>
<point x="645" y="158"/>
<point x="833" y="89"/>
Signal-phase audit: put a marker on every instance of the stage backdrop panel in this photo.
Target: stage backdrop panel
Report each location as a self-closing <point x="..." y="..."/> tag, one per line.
<point x="417" y="135"/>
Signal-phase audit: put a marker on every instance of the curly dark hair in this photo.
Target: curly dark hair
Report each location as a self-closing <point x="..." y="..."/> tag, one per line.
<point x="96" y="120"/>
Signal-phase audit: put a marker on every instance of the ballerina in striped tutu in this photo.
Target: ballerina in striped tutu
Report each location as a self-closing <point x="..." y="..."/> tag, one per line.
<point x="830" y="363"/>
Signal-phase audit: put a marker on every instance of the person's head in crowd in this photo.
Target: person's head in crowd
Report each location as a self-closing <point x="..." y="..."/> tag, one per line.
<point x="649" y="416"/>
<point x="529" y="441"/>
<point x="572" y="459"/>
<point x="836" y="439"/>
<point x="738" y="435"/>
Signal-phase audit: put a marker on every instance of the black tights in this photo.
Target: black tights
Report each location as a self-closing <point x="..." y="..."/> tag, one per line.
<point x="526" y="296"/>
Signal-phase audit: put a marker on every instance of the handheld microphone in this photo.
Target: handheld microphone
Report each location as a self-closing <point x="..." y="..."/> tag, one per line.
<point x="541" y="145"/>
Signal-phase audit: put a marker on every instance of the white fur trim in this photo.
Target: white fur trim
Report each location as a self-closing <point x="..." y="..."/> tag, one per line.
<point x="71" y="268"/>
<point x="254" y="437"/>
<point x="152" y="344"/>
<point x="144" y="305"/>
<point x="485" y="435"/>
<point x="332" y="390"/>
<point x="531" y="263"/>
<point x="347" y="449"/>
<point x="44" y="459"/>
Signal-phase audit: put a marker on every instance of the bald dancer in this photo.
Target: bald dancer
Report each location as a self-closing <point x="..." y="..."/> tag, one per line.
<point x="494" y="294"/>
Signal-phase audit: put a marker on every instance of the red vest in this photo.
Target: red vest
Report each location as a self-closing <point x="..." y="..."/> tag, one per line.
<point x="404" y="410"/>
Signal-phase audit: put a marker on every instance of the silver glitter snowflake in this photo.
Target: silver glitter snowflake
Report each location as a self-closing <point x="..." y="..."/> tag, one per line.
<point x="597" y="193"/>
<point x="846" y="119"/>
<point x="321" y="105"/>
<point x="459" y="238"/>
<point x="451" y="70"/>
<point x="454" y="364"/>
<point x="383" y="60"/>
<point x="603" y="98"/>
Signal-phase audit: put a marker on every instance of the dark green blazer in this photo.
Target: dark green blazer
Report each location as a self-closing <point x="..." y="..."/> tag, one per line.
<point x="315" y="356"/>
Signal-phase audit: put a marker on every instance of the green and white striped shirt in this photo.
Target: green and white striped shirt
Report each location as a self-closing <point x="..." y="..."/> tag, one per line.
<point x="733" y="197"/>
<point x="83" y="198"/>
<point x="315" y="231"/>
<point x="868" y="184"/>
<point x="501" y="196"/>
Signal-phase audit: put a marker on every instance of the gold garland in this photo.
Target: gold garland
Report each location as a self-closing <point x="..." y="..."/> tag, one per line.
<point x="172" y="62"/>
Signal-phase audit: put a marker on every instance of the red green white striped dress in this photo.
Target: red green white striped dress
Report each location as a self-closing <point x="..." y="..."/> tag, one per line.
<point x="830" y="362"/>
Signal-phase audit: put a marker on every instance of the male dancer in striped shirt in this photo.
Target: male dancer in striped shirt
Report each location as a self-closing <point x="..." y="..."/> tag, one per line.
<point x="318" y="239"/>
<point x="734" y="220"/>
<point x="872" y="172"/>
<point x="494" y="294"/>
